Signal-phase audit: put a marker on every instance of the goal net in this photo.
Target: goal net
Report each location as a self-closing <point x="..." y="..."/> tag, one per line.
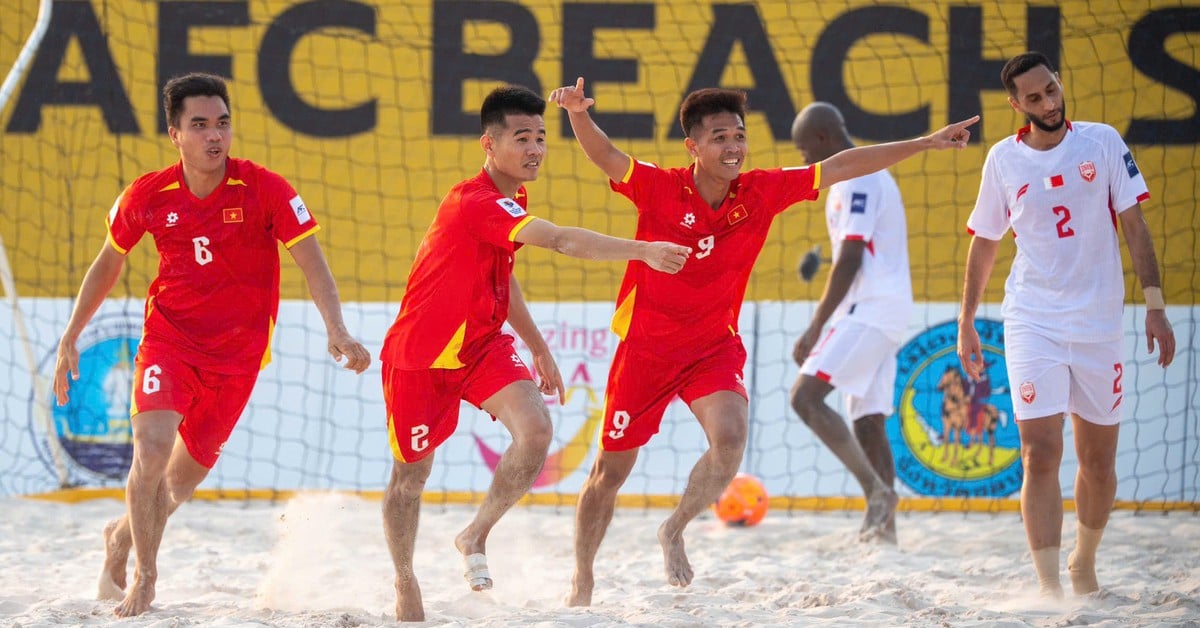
<point x="369" y="109"/>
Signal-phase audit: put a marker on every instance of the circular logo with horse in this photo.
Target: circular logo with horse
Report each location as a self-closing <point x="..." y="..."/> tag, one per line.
<point x="952" y="436"/>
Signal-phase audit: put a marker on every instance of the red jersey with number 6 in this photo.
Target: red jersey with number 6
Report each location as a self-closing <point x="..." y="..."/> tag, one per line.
<point x="683" y="315"/>
<point x="216" y="295"/>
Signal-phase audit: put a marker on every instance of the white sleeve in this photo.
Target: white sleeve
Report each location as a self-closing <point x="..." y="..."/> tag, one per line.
<point x="1126" y="185"/>
<point x="990" y="219"/>
<point x="860" y="198"/>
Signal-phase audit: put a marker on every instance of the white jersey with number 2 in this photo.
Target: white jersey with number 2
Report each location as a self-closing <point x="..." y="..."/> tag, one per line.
<point x="1062" y="207"/>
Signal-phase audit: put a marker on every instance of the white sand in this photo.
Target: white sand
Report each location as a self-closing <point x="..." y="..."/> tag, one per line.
<point x="320" y="560"/>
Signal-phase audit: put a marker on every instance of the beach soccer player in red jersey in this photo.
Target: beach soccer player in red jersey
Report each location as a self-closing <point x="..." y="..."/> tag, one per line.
<point x="447" y="345"/>
<point x="679" y="334"/>
<point x="217" y="222"/>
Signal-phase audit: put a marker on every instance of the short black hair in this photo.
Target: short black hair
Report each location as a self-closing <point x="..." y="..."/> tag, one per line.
<point x="509" y="100"/>
<point x="1019" y="65"/>
<point x="193" y="84"/>
<point x="705" y="102"/>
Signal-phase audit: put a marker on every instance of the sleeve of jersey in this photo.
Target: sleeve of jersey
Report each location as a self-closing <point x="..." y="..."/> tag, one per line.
<point x="292" y="220"/>
<point x="861" y="204"/>
<point x="1127" y="186"/>
<point x="640" y="184"/>
<point x="989" y="219"/>
<point x="794" y="184"/>
<point x="124" y="228"/>
<point x="494" y="219"/>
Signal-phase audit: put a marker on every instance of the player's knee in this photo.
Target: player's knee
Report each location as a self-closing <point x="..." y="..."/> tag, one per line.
<point x="407" y="482"/>
<point x="535" y="432"/>
<point x="728" y="439"/>
<point x="609" y="474"/>
<point x="1098" y="468"/>
<point x="805" y="403"/>
<point x="1039" y="457"/>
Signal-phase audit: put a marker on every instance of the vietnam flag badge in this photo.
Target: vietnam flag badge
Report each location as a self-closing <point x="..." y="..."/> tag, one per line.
<point x="232" y="214"/>
<point x="737" y="214"/>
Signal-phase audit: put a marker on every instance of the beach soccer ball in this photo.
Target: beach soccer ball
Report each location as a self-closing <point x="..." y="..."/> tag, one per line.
<point x="744" y="502"/>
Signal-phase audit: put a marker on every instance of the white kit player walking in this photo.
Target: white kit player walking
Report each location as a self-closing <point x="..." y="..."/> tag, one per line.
<point x="867" y="301"/>
<point x="1062" y="187"/>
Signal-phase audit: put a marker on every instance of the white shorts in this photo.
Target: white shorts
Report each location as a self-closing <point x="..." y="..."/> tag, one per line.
<point x="860" y="361"/>
<point x="1051" y="377"/>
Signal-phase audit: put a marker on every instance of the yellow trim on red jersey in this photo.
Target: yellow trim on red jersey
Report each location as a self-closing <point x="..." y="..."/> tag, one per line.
<point x="133" y="409"/>
<point x="624" y="314"/>
<point x="114" y="244"/>
<point x="233" y="181"/>
<point x="817" y="176"/>
<point x="628" y="172"/>
<point x="266" y="359"/>
<point x="174" y="185"/>
<point x="290" y="243"/>
<point x="392" y="439"/>
<point x="448" y="358"/>
<point x="512" y="235"/>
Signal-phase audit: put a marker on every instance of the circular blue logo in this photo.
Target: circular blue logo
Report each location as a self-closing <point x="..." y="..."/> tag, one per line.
<point x="93" y="429"/>
<point x="952" y="436"/>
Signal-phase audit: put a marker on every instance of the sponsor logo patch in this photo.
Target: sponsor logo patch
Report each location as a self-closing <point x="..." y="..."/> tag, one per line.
<point x="302" y="215"/>
<point x="513" y="208"/>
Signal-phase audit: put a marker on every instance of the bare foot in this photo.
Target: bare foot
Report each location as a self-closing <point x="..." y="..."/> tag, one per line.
<point x="1083" y="575"/>
<point x="408" y="600"/>
<point x="474" y="561"/>
<point x="1051" y="591"/>
<point x="581" y="590"/>
<point x="679" y="571"/>
<point x="111" y="584"/>
<point x="881" y="511"/>
<point x="137" y="600"/>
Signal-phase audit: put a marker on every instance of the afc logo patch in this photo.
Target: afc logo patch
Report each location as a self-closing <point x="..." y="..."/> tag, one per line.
<point x="1130" y="164"/>
<point x="1028" y="393"/>
<point x="302" y="215"/>
<point x="513" y="208"/>
<point x="858" y="203"/>
<point x="1087" y="170"/>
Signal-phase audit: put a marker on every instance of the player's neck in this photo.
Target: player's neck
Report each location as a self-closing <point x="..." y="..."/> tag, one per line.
<point x="1038" y="139"/>
<point x="507" y="185"/>
<point x="712" y="189"/>
<point x="200" y="182"/>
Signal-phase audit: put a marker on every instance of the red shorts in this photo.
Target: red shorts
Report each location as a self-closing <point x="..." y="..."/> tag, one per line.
<point x="422" y="404"/>
<point x="211" y="403"/>
<point x="640" y="386"/>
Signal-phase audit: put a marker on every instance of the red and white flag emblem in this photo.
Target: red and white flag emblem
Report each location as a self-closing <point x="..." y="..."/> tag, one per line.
<point x="1028" y="394"/>
<point x="1087" y="170"/>
<point x="1053" y="182"/>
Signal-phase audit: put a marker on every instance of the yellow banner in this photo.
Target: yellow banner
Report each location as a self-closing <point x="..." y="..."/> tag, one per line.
<point x="370" y="110"/>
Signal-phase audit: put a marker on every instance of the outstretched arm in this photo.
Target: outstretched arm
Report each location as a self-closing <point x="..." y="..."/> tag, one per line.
<point x="321" y="286"/>
<point x="667" y="257"/>
<point x="549" y="379"/>
<point x="101" y="276"/>
<point x="981" y="257"/>
<point x="596" y="145"/>
<point x="1145" y="264"/>
<point x="856" y="162"/>
<point x="841" y="277"/>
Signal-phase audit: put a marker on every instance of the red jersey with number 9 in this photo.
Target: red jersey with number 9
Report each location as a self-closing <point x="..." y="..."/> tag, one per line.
<point x="216" y="295"/>
<point x="682" y="315"/>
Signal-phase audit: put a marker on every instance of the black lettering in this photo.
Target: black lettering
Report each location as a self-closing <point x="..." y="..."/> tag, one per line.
<point x="829" y="56"/>
<point x="175" y="21"/>
<point x="580" y="22"/>
<point x="274" y="73"/>
<point x="971" y="73"/>
<point x="1147" y="51"/>
<point x="452" y="65"/>
<point x="73" y="20"/>
<point x="733" y="23"/>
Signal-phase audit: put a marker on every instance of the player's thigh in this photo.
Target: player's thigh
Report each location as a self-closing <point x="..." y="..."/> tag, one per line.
<point x="880" y="391"/>
<point x="639" y="388"/>
<point x="1096" y="381"/>
<point x="1038" y="373"/>
<point x="500" y="384"/>
<point x="161" y="381"/>
<point x="422" y="409"/>
<point x="849" y="357"/>
<point x="219" y="404"/>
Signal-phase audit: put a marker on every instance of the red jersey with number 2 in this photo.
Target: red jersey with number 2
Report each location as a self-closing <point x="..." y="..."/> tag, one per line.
<point x="216" y="295"/>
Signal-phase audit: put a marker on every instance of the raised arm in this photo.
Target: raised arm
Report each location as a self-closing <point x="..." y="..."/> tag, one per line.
<point x="101" y="276"/>
<point x="595" y="143"/>
<point x="321" y="286"/>
<point x="841" y="277"/>
<point x="861" y="160"/>
<point x="667" y="257"/>
<point x="981" y="257"/>
<point x="1145" y="264"/>
<point x="550" y="381"/>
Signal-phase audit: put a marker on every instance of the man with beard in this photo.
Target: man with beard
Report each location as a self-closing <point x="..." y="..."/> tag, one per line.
<point x="1062" y="186"/>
